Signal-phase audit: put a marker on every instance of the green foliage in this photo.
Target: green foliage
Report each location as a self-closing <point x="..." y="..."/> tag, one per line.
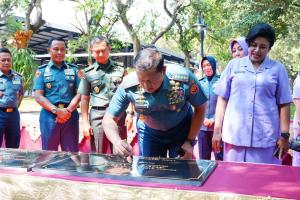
<point x="98" y="23"/>
<point x="284" y="16"/>
<point x="147" y="27"/>
<point x="6" y="7"/>
<point x="23" y="59"/>
<point x="227" y="19"/>
<point x="12" y="25"/>
<point x="24" y="64"/>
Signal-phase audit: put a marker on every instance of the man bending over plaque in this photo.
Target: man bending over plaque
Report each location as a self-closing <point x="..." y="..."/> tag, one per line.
<point x="162" y="96"/>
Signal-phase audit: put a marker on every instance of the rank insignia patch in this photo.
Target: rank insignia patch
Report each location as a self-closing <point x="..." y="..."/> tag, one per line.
<point x="194" y="88"/>
<point x="37" y="73"/>
<point x="48" y="85"/>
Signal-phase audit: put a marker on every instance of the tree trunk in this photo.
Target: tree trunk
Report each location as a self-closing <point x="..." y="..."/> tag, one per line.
<point x="187" y="59"/>
<point x="39" y="17"/>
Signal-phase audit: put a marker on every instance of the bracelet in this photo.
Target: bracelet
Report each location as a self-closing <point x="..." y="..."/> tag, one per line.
<point x="68" y="110"/>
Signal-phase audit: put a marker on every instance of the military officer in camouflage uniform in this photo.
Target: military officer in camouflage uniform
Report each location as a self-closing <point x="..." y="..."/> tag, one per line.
<point x="163" y="97"/>
<point x="55" y="89"/>
<point x="11" y="93"/>
<point x="97" y="88"/>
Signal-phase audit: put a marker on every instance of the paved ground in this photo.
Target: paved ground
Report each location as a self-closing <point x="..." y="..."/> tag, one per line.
<point x="29" y="104"/>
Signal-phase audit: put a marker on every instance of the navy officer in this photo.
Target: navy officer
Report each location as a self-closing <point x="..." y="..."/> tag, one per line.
<point x="162" y="97"/>
<point x="55" y="89"/>
<point x="11" y="93"/>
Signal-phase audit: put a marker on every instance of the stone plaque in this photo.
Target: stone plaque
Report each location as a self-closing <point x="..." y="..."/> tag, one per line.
<point x="23" y="159"/>
<point x="144" y="169"/>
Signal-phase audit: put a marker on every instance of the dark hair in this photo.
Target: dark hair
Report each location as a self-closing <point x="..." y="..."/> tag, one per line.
<point x="261" y="30"/>
<point x="149" y="58"/>
<point x="100" y="39"/>
<point x="50" y="41"/>
<point x="5" y="50"/>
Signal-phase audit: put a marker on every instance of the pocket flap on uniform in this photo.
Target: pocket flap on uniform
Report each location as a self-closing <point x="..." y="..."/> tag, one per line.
<point x="48" y="79"/>
<point x="95" y="82"/>
<point x="70" y="77"/>
<point x="2" y="86"/>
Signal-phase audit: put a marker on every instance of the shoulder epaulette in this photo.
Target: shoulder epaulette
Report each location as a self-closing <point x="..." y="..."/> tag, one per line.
<point x="201" y="79"/>
<point x="42" y="66"/>
<point x="177" y="73"/>
<point x="72" y="65"/>
<point x="89" y="68"/>
<point x="115" y="64"/>
<point x="130" y="80"/>
<point x="15" y="72"/>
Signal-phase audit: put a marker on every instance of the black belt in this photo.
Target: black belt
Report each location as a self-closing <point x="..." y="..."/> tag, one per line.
<point x="99" y="107"/>
<point x="61" y="105"/>
<point x="7" y="109"/>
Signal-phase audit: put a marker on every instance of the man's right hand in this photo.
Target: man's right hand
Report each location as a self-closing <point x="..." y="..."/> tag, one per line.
<point x="123" y="148"/>
<point x="63" y="115"/>
<point x="87" y="130"/>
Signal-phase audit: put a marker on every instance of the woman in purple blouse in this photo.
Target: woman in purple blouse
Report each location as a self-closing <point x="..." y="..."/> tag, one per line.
<point x="252" y="113"/>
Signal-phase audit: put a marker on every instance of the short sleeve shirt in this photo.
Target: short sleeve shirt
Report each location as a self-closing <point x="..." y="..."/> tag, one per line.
<point x="101" y="82"/>
<point x="11" y="88"/>
<point x="252" y="117"/>
<point x="209" y="87"/>
<point x="165" y="108"/>
<point x="59" y="84"/>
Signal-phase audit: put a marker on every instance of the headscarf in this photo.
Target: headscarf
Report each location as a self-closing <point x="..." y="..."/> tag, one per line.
<point x="242" y="42"/>
<point x="213" y="64"/>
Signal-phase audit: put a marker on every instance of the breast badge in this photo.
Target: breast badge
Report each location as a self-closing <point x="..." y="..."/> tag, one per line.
<point x="97" y="89"/>
<point x="141" y="103"/>
<point x="142" y="117"/>
<point x="175" y="95"/>
<point x="48" y="85"/>
<point x="37" y="73"/>
<point x="194" y="89"/>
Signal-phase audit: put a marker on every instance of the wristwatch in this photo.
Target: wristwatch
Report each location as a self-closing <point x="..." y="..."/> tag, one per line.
<point x="285" y="135"/>
<point x="192" y="142"/>
<point x="54" y="110"/>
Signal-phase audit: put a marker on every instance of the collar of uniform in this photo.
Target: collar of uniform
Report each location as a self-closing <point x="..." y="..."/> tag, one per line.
<point x="166" y="83"/>
<point x="51" y="64"/>
<point x="10" y="73"/>
<point x="103" y="67"/>
<point x="214" y="78"/>
<point x="264" y="65"/>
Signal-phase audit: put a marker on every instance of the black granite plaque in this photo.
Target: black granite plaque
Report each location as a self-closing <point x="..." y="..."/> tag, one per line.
<point x="23" y="159"/>
<point x="145" y="169"/>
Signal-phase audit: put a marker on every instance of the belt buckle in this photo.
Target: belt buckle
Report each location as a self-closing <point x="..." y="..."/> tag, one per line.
<point x="9" y="110"/>
<point x="61" y="105"/>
